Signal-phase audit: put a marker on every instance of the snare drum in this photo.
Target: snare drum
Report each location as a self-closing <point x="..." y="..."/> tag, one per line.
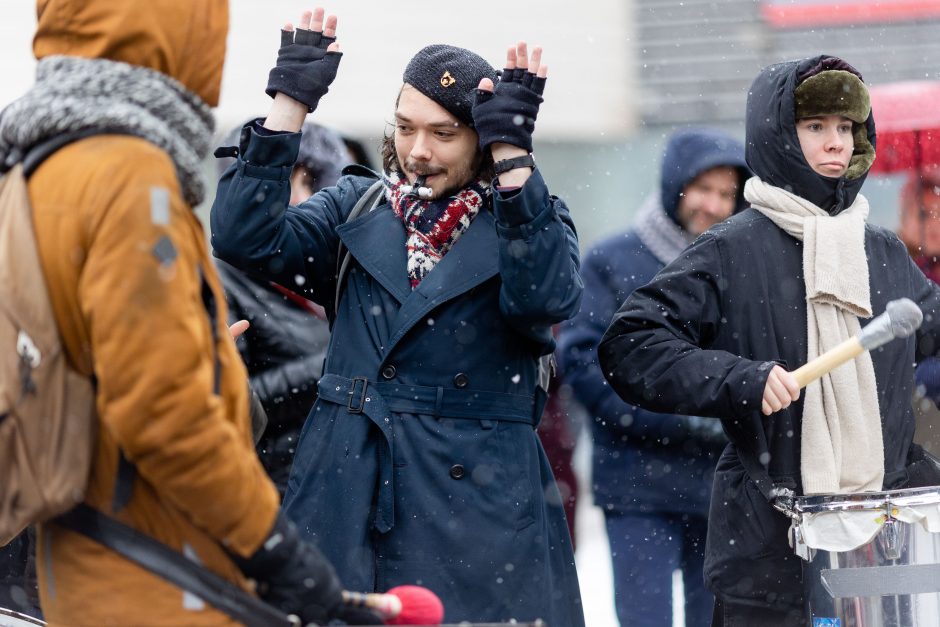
<point x="9" y="618"/>
<point x="870" y="559"/>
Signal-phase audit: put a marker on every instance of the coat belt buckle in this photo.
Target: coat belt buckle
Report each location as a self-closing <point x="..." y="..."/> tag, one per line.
<point x="357" y="407"/>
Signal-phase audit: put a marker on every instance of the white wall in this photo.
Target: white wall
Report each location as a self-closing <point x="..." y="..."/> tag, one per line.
<point x="587" y="48"/>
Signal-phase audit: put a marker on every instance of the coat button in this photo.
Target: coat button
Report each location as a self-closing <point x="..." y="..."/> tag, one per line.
<point x="388" y="372"/>
<point x="461" y="380"/>
<point x="457" y="471"/>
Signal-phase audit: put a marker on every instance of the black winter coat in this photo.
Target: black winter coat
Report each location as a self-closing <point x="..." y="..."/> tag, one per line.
<point x="284" y="351"/>
<point x="702" y="337"/>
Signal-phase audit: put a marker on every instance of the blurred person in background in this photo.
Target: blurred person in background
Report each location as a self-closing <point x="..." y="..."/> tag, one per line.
<point x="558" y="431"/>
<point x="652" y="472"/>
<point x="919" y="229"/>
<point x="19" y="590"/>
<point x="285" y="346"/>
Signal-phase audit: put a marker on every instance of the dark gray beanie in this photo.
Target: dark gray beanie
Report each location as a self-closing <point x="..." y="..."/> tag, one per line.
<point x="449" y="76"/>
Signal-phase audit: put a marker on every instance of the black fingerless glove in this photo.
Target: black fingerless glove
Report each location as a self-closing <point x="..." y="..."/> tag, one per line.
<point x="304" y="69"/>
<point x="294" y="576"/>
<point x="507" y="114"/>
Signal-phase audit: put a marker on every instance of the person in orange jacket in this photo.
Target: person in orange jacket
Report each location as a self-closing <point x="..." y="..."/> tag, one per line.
<point x="140" y="308"/>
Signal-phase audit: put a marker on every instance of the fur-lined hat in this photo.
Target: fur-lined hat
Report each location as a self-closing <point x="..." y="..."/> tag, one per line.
<point x="837" y="89"/>
<point x="833" y="92"/>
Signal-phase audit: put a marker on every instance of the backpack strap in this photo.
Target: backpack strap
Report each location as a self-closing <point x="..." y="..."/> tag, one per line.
<point x="371" y="199"/>
<point x="173" y="566"/>
<point x="37" y="154"/>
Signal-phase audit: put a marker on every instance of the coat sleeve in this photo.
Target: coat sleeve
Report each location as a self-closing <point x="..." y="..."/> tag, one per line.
<point x="256" y="230"/>
<point x="155" y="351"/>
<point x="926" y="294"/>
<point x="577" y="348"/>
<point x="288" y="390"/>
<point x="656" y="352"/>
<point x="538" y="260"/>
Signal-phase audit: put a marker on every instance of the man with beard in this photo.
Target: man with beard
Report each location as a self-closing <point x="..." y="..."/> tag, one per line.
<point x="652" y="472"/>
<point x="717" y="332"/>
<point x="419" y="463"/>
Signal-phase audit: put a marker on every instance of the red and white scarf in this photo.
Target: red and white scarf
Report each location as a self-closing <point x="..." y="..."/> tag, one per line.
<point x="432" y="226"/>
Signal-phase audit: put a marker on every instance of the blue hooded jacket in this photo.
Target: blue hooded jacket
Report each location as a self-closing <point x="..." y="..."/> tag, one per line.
<point x="643" y="461"/>
<point x="691" y="152"/>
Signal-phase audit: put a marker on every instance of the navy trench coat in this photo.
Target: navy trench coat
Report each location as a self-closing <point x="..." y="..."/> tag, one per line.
<point x="419" y="463"/>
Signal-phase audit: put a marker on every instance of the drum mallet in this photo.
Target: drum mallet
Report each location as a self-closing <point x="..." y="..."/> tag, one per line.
<point x="901" y="318"/>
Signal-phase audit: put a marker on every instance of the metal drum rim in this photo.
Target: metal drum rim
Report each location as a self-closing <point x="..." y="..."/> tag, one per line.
<point x="21" y="618"/>
<point x="884" y="500"/>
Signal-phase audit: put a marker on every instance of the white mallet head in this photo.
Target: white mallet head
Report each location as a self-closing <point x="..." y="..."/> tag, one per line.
<point x="901" y="318"/>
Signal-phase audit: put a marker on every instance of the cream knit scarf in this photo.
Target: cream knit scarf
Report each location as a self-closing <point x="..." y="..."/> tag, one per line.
<point x="841" y="450"/>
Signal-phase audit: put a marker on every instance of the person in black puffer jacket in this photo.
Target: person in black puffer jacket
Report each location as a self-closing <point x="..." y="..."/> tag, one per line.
<point x="718" y="330"/>
<point x="286" y="343"/>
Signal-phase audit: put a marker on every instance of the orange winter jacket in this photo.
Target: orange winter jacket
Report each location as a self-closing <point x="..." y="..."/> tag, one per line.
<point x="136" y="317"/>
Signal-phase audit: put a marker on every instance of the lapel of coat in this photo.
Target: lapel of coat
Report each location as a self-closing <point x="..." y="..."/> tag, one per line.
<point x="472" y="260"/>
<point x="377" y="241"/>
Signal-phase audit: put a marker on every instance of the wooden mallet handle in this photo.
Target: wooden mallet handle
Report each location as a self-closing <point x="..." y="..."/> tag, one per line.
<point x="901" y="318"/>
<point x="834" y="357"/>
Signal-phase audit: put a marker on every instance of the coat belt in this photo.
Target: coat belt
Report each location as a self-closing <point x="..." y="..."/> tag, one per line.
<point x="377" y="400"/>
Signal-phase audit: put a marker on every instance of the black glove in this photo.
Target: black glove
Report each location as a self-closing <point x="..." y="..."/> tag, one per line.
<point x="294" y="576"/>
<point x="507" y="114"/>
<point x="304" y="68"/>
<point x="347" y="615"/>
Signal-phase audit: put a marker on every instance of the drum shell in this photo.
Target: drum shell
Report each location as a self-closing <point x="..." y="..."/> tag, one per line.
<point x="891" y="581"/>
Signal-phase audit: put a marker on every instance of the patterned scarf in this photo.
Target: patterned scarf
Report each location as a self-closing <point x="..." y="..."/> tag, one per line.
<point x="432" y="226"/>
<point x="74" y="94"/>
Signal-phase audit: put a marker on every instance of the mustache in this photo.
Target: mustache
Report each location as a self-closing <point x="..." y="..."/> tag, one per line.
<point x="422" y="169"/>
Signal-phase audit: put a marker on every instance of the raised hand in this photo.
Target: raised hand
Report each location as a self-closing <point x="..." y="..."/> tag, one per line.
<point x="506" y="114"/>
<point x="307" y="60"/>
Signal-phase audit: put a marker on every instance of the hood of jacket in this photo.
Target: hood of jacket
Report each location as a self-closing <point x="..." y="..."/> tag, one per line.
<point x="183" y="39"/>
<point x="691" y="152"/>
<point x="772" y="147"/>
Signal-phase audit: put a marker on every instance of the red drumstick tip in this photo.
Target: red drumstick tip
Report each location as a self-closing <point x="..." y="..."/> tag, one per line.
<point x="419" y="606"/>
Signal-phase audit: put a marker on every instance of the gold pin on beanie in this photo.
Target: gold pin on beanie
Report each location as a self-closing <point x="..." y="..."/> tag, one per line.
<point x="449" y="76"/>
<point x="833" y="92"/>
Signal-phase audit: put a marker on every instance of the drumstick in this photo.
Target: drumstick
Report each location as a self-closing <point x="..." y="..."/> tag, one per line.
<point x="402" y="605"/>
<point x="901" y="318"/>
